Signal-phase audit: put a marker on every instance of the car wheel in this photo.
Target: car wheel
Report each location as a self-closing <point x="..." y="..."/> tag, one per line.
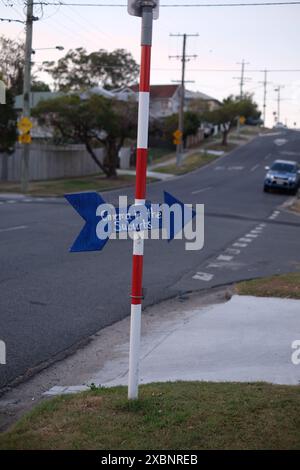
<point x="266" y="189"/>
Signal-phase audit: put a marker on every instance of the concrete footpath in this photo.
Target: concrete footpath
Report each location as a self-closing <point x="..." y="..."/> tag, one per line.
<point x="243" y="340"/>
<point x="192" y="337"/>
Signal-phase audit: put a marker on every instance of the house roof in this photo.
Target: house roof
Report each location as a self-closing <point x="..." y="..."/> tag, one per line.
<point x="199" y="95"/>
<point x="159" y="91"/>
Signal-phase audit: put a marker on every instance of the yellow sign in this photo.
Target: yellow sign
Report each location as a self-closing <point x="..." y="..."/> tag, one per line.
<point x="242" y="120"/>
<point x="24" y="125"/>
<point x="177" y="137"/>
<point x="25" y="139"/>
<point x="177" y="134"/>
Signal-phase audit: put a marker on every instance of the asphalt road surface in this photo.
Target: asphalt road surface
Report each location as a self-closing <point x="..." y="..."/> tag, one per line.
<point x="52" y="300"/>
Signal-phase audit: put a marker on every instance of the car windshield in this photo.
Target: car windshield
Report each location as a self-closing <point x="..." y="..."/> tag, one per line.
<point x="283" y="168"/>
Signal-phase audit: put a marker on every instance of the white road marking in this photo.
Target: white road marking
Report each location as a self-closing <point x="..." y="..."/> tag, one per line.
<point x="268" y="156"/>
<point x="271" y="134"/>
<point x="11" y="229"/>
<point x="235" y="168"/>
<point x="255" y="167"/>
<point x="215" y="265"/>
<point x="274" y="215"/>
<point x="219" y="168"/>
<point x="202" y="190"/>
<point x="11" y="202"/>
<point x="233" y="251"/>
<point x="280" y="142"/>
<point x="203" y="276"/>
<point x="240" y="245"/>
<point x="224" y="258"/>
<point x="287" y="152"/>
<point x="262" y="225"/>
<point x="252" y="235"/>
<point x="245" y="240"/>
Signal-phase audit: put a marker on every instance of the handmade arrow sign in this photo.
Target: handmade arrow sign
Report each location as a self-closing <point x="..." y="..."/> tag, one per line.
<point x="102" y="219"/>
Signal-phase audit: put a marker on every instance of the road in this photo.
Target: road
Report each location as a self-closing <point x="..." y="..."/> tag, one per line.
<point x="51" y="301"/>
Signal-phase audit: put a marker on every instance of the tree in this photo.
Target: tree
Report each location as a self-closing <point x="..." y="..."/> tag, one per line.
<point x="80" y="70"/>
<point x="94" y="121"/>
<point x="169" y="125"/>
<point x="39" y="85"/>
<point x="232" y="108"/>
<point x="8" y="131"/>
<point x="12" y="58"/>
<point x="12" y="64"/>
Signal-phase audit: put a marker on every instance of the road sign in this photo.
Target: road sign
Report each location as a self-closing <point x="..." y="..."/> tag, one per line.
<point x="177" y="137"/>
<point x="177" y="134"/>
<point x="242" y="120"/>
<point x="24" y="125"/>
<point x="25" y="139"/>
<point x="93" y="209"/>
<point x="135" y="7"/>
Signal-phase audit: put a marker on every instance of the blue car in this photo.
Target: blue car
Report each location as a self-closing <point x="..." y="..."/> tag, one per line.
<point x="283" y="174"/>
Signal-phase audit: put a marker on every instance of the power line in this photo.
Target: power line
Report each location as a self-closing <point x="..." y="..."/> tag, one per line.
<point x="228" y="70"/>
<point x="180" y="5"/>
<point x="11" y="20"/>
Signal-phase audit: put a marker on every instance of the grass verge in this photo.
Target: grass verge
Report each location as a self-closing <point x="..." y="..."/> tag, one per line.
<point x="192" y="162"/>
<point x="62" y="186"/>
<point x="218" y="146"/>
<point x="283" y="285"/>
<point x="181" y="415"/>
<point x="295" y="207"/>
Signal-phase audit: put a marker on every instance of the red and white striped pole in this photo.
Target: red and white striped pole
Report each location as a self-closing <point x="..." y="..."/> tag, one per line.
<point x="140" y="194"/>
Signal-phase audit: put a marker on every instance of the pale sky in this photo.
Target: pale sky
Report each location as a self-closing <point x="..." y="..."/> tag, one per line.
<point x="265" y="37"/>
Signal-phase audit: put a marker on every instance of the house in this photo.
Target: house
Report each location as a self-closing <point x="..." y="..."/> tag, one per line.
<point x="165" y="100"/>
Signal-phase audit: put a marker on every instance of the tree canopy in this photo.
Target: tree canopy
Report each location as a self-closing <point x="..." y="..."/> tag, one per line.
<point x="80" y="70"/>
<point x="169" y="124"/>
<point x="231" y="109"/>
<point x="12" y="57"/>
<point x="8" y="130"/>
<point x="96" y="120"/>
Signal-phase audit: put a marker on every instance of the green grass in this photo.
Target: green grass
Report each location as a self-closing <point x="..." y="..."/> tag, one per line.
<point x="192" y="162"/>
<point x="284" y="285"/>
<point x="218" y="146"/>
<point x="62" y="186"/>
<point x="159" y="154"/>
<point x="181" y="415"/>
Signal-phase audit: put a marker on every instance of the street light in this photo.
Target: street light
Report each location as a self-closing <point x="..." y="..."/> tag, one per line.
<point x="59" y="48"/>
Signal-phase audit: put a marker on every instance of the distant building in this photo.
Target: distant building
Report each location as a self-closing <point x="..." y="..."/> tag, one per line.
<point x="165" y="100"/>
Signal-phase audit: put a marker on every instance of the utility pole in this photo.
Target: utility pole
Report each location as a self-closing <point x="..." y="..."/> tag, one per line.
<point x="184" y="58"/>
<point x="242" y="78"/>
<point x="26" y="92"/>
<point x="265" y="95"/>
<point x="265" y="84"/>
<point x="278" y="89"/>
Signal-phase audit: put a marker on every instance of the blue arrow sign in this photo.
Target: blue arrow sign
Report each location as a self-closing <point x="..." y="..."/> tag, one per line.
<point x="102" y="219"/>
